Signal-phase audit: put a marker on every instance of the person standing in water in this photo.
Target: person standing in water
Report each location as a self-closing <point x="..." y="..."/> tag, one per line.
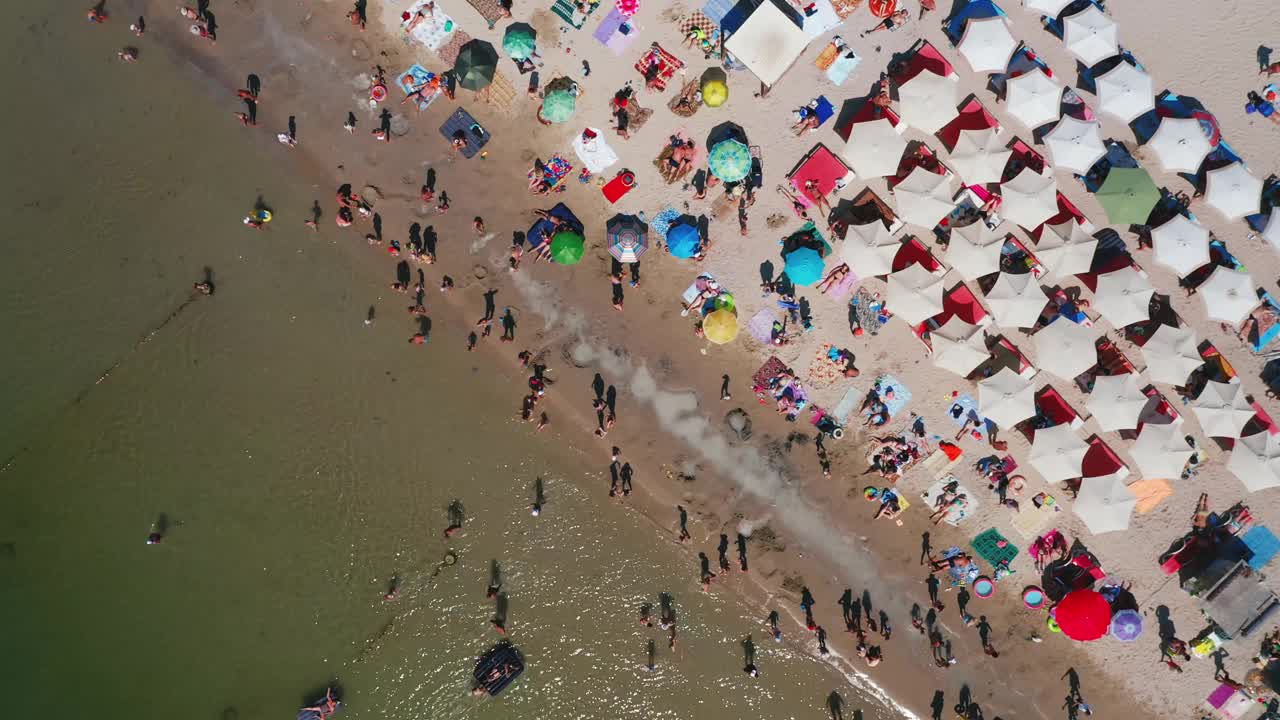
<point x="723" y="550"/>
<point x="627" y="474"/>
<point x="684" y="524"/>
<point x="773" y="625"/>
<point x="705" y="568"/>
<point x="742" y="552"/>
<point x="538" y="498"/>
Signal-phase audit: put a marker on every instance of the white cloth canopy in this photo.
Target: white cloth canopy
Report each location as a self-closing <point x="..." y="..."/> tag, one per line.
<point x="974" y="250"/>
<point x="1116" y="401"/>
<point x="1171" y="354"/>
<point x="915" y="294"/>
<point x="1255" y="461"/>
<point x="1057" y="453"/>
<point x="958" y="347"/>
<point x="870" y="249"/>
<point x="1233" y="191"/>
<point x="979" y="156"/>
<point x="1006" y="398"/>
<point x="1222" y="409"/>
<point x="595" y="154"/>
<point x="1090" y="35"/>
<point x="928" y="101"/>
<point x="1125" y="92"/>
<point x="987" y="44"/>
<point x="768" y="43"/>
<point x="1029" y="198"/>
<point x="1271" y="233"/>
<point x="874" y="149"/>
<point x="1034" y="98"/>
<point x="1229" y="295"/>
<point x="1105" y="504"/>
<point x="924" y="197"/>
<point x="1046" y="7"/>
<point x="1123" y="297"/>
<point x="1075" y="145"/>
<point x="1066" y="249"/>
<point x="1180" y="144"/>
<point x="1181" y="244"/>
<point x="1016" y="301"/>
<point x="1065" y="348"/>
<point x="1161" y="451"/>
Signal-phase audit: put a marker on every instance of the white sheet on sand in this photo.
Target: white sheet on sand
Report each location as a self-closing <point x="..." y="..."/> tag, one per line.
<point x="595" y="154"/>
<point x="957" y="513"/>
<point x="843" y="67"/>
<point x="824" y="18"/>
<point x="436" y="29"/>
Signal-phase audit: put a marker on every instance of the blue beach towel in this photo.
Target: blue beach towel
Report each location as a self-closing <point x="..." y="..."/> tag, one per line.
<point x="661" y="222"/>
<point x="461" y="120"/>
<point x="843" y="67"/>
<point x="421" y="76"/>
<point x="1264" y="544"/>
<point x="901" y="394"/>
<point x="969" y="411"/>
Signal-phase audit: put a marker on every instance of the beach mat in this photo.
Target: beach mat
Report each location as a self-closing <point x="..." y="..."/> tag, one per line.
<point x="843" y="67"/>
<point x="827" y="57"/>
<point x="901" y="394"/>
<point x="449" y="51"/>
<point x="939" y="464"/>
<point x="432" y="32"/>
<point x="1264" y="544"/>
<point x="956" y="514"/>
<point x="848" y="403"/>
<point x="489" y="10"/>
<point x="668" y="65"/>
<point x="767" y="371"/>
<point x="1030" y="520"/>
<point x="987" y="545"/>
<point x="616" y="32"/>
<point x="761" y="327"/>
<point x="462" y="120"/>
<point x="420" y="77"/>
<point x="661" y="222"/>
<point x="969" y="410"/>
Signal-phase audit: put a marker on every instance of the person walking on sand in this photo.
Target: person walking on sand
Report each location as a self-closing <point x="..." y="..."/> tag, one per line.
<point x="626" y="474"/>
<point x="538" y="499"/>
<point x="822" y="641"/>
<point x="933" y="584"/>
<point x="723" y="549"/>
<point x="684" y="524"/>
<point x="742" y="552"/>
<point x="724" y="388"/>
<point x="704" y="564"/>
<point x="984" y="634"/>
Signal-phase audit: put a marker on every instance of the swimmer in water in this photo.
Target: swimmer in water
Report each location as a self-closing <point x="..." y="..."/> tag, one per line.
<point x="393" y="589"/>
<point x="128" y="55"/>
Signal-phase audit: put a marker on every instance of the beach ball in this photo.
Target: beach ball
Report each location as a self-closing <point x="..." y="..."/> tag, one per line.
<point x="724" y="301"/>
<point x="714" y="93"/>
<point x="870" y="492"/>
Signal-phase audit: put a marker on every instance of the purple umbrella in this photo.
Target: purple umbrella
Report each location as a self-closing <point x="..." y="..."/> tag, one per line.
<point x="1126" y="625"/>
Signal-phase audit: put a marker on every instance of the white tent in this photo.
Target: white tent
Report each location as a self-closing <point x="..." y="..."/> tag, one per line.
<point x="1233" y="191"/>
<point x="915" y="294"/>
<point x="1180" y="144"/>
<point x="1016" y="301"/>
<point x="1271" y="233"/>
<point x="974" y="250"/>
<point x="1116" y="401"/>
<point x="979" y="156"/>
<point x="1255" y="460"/>
<point x="928" y="101"/>
<point x="1171" y="354"/>
<point x="1090" y="35"/>
<point x="874" y="149"/>
<point x="1105" y="504"/>
<point x="1181" y="244"/>
<point x="1222" y="409"/>
<point x="1123" y="297"/>
<point x="1065" y="348"/>
<point x="1075" y="145"/>
<point x="1229" y="295"/>
<point x="987" y="44"/>
<point x="924" y="197"/>
<point x="958" y="346"/>
<point x="1034" y="98"/>
<point x="1006" y="398"/>
<point x="1029" y="198"/>
<point x="1057" y="453"/>
<point x="1161" y="451"/>
<point x="870" y="249"/>
<point x="1046" y="7"/>
<point x="1125" y="92"/>
<point x="1066" y="249"/>
<point x="768" y="43"/>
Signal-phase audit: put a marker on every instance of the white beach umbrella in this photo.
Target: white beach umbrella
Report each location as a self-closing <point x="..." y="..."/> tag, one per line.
<point x="974" y="250"/>
<point x="1016" y="301"/>
<point x="1161" y="451"/>
<point x="1046" y="7"/>
<point x="1181" y="244"/>
<point x="1029" y="198"/>
<point x="1105" y="504"/>
<point x="915" y="294"/>
<point x="1075" y="145"/>
<point x="958" y="347"/>
<point x="928" y="101"/>
<point x="1233" y="191"/>
<point x="1171" y="354"/>
<point x="979" y="156"/>
<point x="870" y="249"/>
<point x="1180" y="144"/>
<point x="1065" y="348"/>
<point x="1271" y="233"/>
<point x="1116" y="401"/>
<point x="1125" y="92"/>
<point x="1229" y="296"/>
<point x="924" y="197"/>
<point x="1123" y="297"/>
<point x="1006" y="398"/>
<point x="1066" y="249"/>
<point x="874" y="149"/>
<point x="1057" y="453"/>
<point x="1034" y="98"/>
<point x="1222" y="409"/>
<point x="1090" y="35"/>
<point x="987" y="44"/>
<point x="1255" y="460"/>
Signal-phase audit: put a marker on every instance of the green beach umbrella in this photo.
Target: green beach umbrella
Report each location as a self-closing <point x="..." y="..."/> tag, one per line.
<point x="567" y="247"/>
<point x="558" y="106"/>
<point x="729" y="160"/>
<point x="1128" y="194"/>
<point x="476" y="63"/>
<point x="518" y="41"/>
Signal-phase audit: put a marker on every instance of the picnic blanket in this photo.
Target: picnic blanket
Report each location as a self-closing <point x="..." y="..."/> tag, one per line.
<point x="987" y="545"/>
<point x="843" y="67"/>
<point x="668" y="66"/>
<point x="557" y="169"/>
<point x="415" y="77"/>
<point x="461" y="120"/>
<point x="616" y="32"/>
<point x="767" y="371"/>
<point x="901" y="394"/>
<point x="968" y="411"/>
<point x="956" y="513"/>
<point x="433" y="32"/>
<point x="761" y="326"/>
<point x="595" y="154"/>
<point x="569" y="12"/>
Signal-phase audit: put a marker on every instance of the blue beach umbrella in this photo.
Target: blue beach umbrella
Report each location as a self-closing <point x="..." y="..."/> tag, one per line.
<point x="1126" y="625"/>
<point x="730" y="160"/>
<point x="804" y="266"/>
<point x="683" y="240"/>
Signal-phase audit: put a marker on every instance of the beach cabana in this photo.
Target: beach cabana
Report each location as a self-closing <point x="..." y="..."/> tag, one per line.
<point x="1090" y="35"/>
<point x="1066" y="249"/>
<point x="1075" y="145"/>
<point x="1016" y="301"/>
<point x="1161" y="451"/>
<point x="1125" y="92"/>
<point x="1255" y="461"/>
<point x="869" y="249"/>
<point x="1128" y="195"/>
<point x="1034" y="98"/>
<point x="1181" y="244"/>
<point x="1057" y="453"/>
<point x="874" y="149"/>
<point x="1229" y="296"/>
<point x="1006" y="398"/>
<point x="928" y="101"/>
<point x="987" y="44"/>
<point x="1104" y="504"/>
<point x="924" y="197"/>
<point x="1029" y="198"/>
<point x="1123" y="297"/>
<point x="979" y="156"/>
<point x="1222" y="409"/>
<point x="1171" y="354"/>
<point x="1116" y="401"/>
<point x="974" y="250"/>
<point x="1065" y="348"/>
<point x="958" y="347"/>
<point x="768" y="43"/>
<point x="1233" y="191"/>
<point x="1180" y="144"/>
<point x="915" y="294"/>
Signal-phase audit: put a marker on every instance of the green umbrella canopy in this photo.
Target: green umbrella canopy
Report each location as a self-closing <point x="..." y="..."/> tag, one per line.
<point x="519" y="41"/>
<point x="729" y="160"/>
<point x="567" y="246"/>
<point x="476" y="63"/>
<point x="1128" y="195"/>
<point x="558" y="106"/>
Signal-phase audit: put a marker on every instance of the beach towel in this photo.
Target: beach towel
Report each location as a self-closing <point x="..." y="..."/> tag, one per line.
<point x="668" y="66"/>
<point x="844" y="286"/>
<point x="449" y="51"/>
<point x="595" y="154"/>
<point x="557" y="169"/>
<point x="843" y="66"/>
<point x="686" y="103"/>
<point x="434" y="31"/>
<point x="616" y="32"/>
<point x="415" y="77"/>
<point x="540" y="231"/>
<point x="866" y="309"/>
<point x="968" y="411"/>
<point x="901" y="394"/>
<point x="1030" y="520"/>
<point x="691" y="293"/>
<point x="1264" y="544"/>
<point x="827" y="56"/>
<point x="939" y="464"/>
<point x="569" y="12"/>
<point x="957" y="513"/>
<point x="987" y="546"/>
<point x="710" y="29"/>
<point x="461" y="120"/>
<point x="661" y="222"/>
<point x="617" y="187"/>
<point x="767" y="371"/>
<point x="845" y="8"/>
<point x="761" y="328"/>
<point x="848" y="403"/>
<point x="489" y="10"/>
<point x="717" y="10"/>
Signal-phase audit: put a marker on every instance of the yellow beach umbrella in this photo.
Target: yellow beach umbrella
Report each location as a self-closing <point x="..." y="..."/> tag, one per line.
<point x="715" y="90"/>
<point x="720" y="326"/>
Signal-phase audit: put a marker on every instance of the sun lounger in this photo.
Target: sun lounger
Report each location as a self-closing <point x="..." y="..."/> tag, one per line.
<point x="461" y="121"/>
<point x="667" y="66"/>
<point x="568" y="12"/>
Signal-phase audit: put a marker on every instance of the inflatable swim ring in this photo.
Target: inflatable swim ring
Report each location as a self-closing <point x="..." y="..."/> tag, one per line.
<point x="378" y="92"/>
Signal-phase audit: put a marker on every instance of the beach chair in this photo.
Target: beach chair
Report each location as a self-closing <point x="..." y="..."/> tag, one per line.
<point x="461" y="121"/>
<point x="566" y="10"/>
<point x="658" y="66"/>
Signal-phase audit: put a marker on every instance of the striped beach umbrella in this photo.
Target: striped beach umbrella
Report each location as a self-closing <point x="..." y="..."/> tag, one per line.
<point x="628" y="237"/>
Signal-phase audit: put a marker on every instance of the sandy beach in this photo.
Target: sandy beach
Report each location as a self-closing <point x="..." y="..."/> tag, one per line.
<point x="804" y="529"/>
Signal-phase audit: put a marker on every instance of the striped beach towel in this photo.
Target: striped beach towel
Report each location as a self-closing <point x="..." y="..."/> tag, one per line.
<point x="569" y="12"/>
